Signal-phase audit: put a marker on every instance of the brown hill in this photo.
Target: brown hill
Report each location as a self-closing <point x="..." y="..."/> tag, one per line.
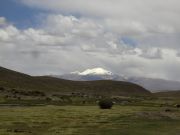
<point x="168" y="94"/>
<point x="11" y="79"/>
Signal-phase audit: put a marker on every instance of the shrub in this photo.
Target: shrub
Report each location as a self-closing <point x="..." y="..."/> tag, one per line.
<point x="167" y="110"/>
<point x="48" y="99"/>
<point x="177" y="105"/>
<point x="2" y="89"/>
<point x="105" y="104"/>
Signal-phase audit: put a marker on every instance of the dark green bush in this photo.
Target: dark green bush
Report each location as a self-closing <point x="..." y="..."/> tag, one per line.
<point x="177" y="105"/>
<point x="2" y="89"/>
<point x="48" y="99"/>
<point x="105" y="104"/>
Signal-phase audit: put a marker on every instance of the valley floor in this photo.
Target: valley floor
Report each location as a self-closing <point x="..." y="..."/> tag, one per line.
<point x="89" y="120"/>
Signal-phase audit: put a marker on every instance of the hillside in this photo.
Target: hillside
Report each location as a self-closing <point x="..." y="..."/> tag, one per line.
<point x="151" y="84"/>
<point x="11" y="79"/>
<point x="168" y="94"/>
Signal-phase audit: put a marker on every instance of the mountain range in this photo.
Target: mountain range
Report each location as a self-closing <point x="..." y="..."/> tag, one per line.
<point x="152" y="84"/>
<point x="15" y="81"/>
<point x="104" y="83"/>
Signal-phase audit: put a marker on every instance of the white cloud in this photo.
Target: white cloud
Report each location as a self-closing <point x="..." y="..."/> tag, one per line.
<point x="67" y="43"/>
<point x="124" y="16"/>
<point x="152" y="53"/>
<point x="2" y="21"/>
<point x="7" y="33"/>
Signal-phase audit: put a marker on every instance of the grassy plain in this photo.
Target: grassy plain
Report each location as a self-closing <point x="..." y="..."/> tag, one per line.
<point x="89" y="120"/>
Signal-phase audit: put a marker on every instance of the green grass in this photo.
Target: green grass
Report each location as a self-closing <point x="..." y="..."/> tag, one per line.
<point x="88" y="120"/>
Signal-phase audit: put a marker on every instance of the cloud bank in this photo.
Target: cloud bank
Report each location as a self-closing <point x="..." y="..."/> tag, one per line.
<point x="135" y="38"/>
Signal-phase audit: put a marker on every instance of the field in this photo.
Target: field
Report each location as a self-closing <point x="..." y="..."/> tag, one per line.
<point x="89" y="120"/>
<point x="50" y="106"/>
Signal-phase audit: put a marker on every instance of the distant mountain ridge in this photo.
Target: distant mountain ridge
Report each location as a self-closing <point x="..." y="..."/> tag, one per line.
<point x="151" y="84"/>
<point x="10" y="79"/>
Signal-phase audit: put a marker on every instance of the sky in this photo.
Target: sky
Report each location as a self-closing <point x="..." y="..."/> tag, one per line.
<point x="133" y="38"/>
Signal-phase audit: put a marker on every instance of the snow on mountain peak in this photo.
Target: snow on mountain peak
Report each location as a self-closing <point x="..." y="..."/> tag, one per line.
<point x="94" y="71"/>
<point x="76" y="72"/>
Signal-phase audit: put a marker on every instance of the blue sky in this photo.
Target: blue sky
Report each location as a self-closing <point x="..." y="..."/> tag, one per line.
<point x="20" y="15"/>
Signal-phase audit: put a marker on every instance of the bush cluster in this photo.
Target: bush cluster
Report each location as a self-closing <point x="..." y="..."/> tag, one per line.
<point x="2" y="89"/>
<point x="105" y="104"/>
<point x="28" y="93"/>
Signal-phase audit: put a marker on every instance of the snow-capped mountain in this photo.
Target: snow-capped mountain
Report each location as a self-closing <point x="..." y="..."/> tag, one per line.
<point x="102" y="74"/>
<point x="91" y="75"/>
<point x="94" y="71"/>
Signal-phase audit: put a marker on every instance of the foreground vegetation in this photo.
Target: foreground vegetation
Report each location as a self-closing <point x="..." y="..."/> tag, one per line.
<point x="89" y="120"/>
